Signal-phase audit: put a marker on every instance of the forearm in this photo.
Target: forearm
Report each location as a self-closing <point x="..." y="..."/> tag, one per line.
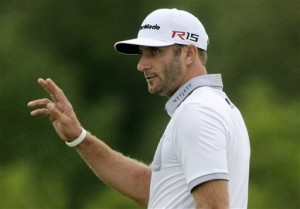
<point x="124" y="174"/>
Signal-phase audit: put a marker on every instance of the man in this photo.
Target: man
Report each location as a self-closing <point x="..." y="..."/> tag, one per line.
<point x="202" y="159"/>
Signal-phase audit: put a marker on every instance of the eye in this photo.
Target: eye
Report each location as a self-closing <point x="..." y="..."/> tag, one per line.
<point x="140" y="52"/>
<point x="154" y="50"/>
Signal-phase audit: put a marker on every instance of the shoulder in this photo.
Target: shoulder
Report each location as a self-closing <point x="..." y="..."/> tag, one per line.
<point x="206" y="96"/>
<point x="203" y="101"/>
<point x="205" y="110"/>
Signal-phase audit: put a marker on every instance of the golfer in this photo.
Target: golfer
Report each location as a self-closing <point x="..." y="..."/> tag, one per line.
<point x="202" y="158"/>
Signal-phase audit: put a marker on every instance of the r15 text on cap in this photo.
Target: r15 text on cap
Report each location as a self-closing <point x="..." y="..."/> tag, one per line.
<point x="185" y="35"/>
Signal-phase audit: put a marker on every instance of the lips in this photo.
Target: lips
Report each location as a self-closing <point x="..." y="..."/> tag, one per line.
<point x="150" y="77"/>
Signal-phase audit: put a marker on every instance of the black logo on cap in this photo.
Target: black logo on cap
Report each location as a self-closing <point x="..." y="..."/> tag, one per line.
<point x="148" y="26"/>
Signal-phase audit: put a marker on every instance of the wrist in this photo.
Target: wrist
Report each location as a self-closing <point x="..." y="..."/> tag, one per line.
<point x="77" y="141"/>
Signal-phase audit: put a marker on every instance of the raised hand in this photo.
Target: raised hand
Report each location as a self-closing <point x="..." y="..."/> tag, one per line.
<point x="59" y="110"/>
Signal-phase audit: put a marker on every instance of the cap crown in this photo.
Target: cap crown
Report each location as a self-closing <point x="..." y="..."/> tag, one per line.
<point x="172" y="25"/>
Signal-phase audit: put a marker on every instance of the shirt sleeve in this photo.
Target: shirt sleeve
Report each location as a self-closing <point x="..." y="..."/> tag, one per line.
<point x="200" y="142"/>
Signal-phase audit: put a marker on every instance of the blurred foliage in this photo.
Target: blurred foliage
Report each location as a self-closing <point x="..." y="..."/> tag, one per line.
<point x="253" y="43"/>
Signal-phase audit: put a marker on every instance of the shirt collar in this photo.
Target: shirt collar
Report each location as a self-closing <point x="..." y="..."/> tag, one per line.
<point x="212" y="80"/>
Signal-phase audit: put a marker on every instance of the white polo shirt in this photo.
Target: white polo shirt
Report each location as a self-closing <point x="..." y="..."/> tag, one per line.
<point x="206" y="139"/>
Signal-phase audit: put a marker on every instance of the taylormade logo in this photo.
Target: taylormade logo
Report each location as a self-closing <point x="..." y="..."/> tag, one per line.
<point x="148" y="26"/>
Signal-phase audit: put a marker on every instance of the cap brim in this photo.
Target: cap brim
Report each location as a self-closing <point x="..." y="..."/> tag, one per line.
<point x="132" y="46"/>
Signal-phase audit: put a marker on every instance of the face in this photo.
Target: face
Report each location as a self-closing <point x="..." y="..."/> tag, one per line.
<point x="163" y="69"/>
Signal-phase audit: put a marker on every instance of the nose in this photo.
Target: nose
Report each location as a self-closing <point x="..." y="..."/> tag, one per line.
<point x="143" y="64"/>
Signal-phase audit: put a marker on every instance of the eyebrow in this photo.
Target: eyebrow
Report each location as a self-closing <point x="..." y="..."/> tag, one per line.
<point x="150" y="47"/>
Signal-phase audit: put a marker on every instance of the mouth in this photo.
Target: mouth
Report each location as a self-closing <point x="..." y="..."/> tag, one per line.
<point x="148" y="78"/>
<point x="151" y="79"/>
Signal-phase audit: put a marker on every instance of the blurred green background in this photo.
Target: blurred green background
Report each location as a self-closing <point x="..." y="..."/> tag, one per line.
<point x="253" y="43"/>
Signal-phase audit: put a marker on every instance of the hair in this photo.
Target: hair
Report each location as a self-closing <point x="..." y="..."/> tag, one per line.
<point x="177" y="49"/>
<point x="201" y="53"/>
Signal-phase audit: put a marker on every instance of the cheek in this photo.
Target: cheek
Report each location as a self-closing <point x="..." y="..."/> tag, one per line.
<point x="174" y="70"/>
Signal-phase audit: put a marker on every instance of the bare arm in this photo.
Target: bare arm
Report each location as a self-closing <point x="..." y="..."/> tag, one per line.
<point x="212" y="195"/>
<point x="126" y="175"/>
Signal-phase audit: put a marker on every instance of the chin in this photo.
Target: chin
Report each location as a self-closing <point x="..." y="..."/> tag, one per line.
<point x="152" y="92"/>
<point x="155" y="91"/>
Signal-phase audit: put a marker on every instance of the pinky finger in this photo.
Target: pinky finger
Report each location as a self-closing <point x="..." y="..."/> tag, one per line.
<point x="43" y="112"/>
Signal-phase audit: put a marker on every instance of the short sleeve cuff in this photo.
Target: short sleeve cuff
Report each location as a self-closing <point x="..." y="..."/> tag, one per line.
<point x="206" y="178"/>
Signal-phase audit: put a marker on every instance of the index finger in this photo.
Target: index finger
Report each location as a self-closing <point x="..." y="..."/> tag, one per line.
<point x="55" y="92"/>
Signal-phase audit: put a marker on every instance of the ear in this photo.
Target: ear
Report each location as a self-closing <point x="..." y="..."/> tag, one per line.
<point x="191" y="54"/>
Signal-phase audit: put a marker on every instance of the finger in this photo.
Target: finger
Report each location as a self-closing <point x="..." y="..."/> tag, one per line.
<point x="38" y="102"/>
<point x="43" y="84"/>
<point x="43" y="112"/>
<point x="47" y="88"/>
<point x="55" y="92"/>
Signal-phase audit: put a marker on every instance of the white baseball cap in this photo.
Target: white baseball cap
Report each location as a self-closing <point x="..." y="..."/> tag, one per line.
<point x="165" y="27"/>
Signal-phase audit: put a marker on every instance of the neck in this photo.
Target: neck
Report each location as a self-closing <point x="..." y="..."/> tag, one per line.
<point x="194" y="71"/>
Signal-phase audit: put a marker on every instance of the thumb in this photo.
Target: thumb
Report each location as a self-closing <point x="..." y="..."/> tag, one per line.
<point x="67" y="128"/>
<point x="54" y="113"/>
